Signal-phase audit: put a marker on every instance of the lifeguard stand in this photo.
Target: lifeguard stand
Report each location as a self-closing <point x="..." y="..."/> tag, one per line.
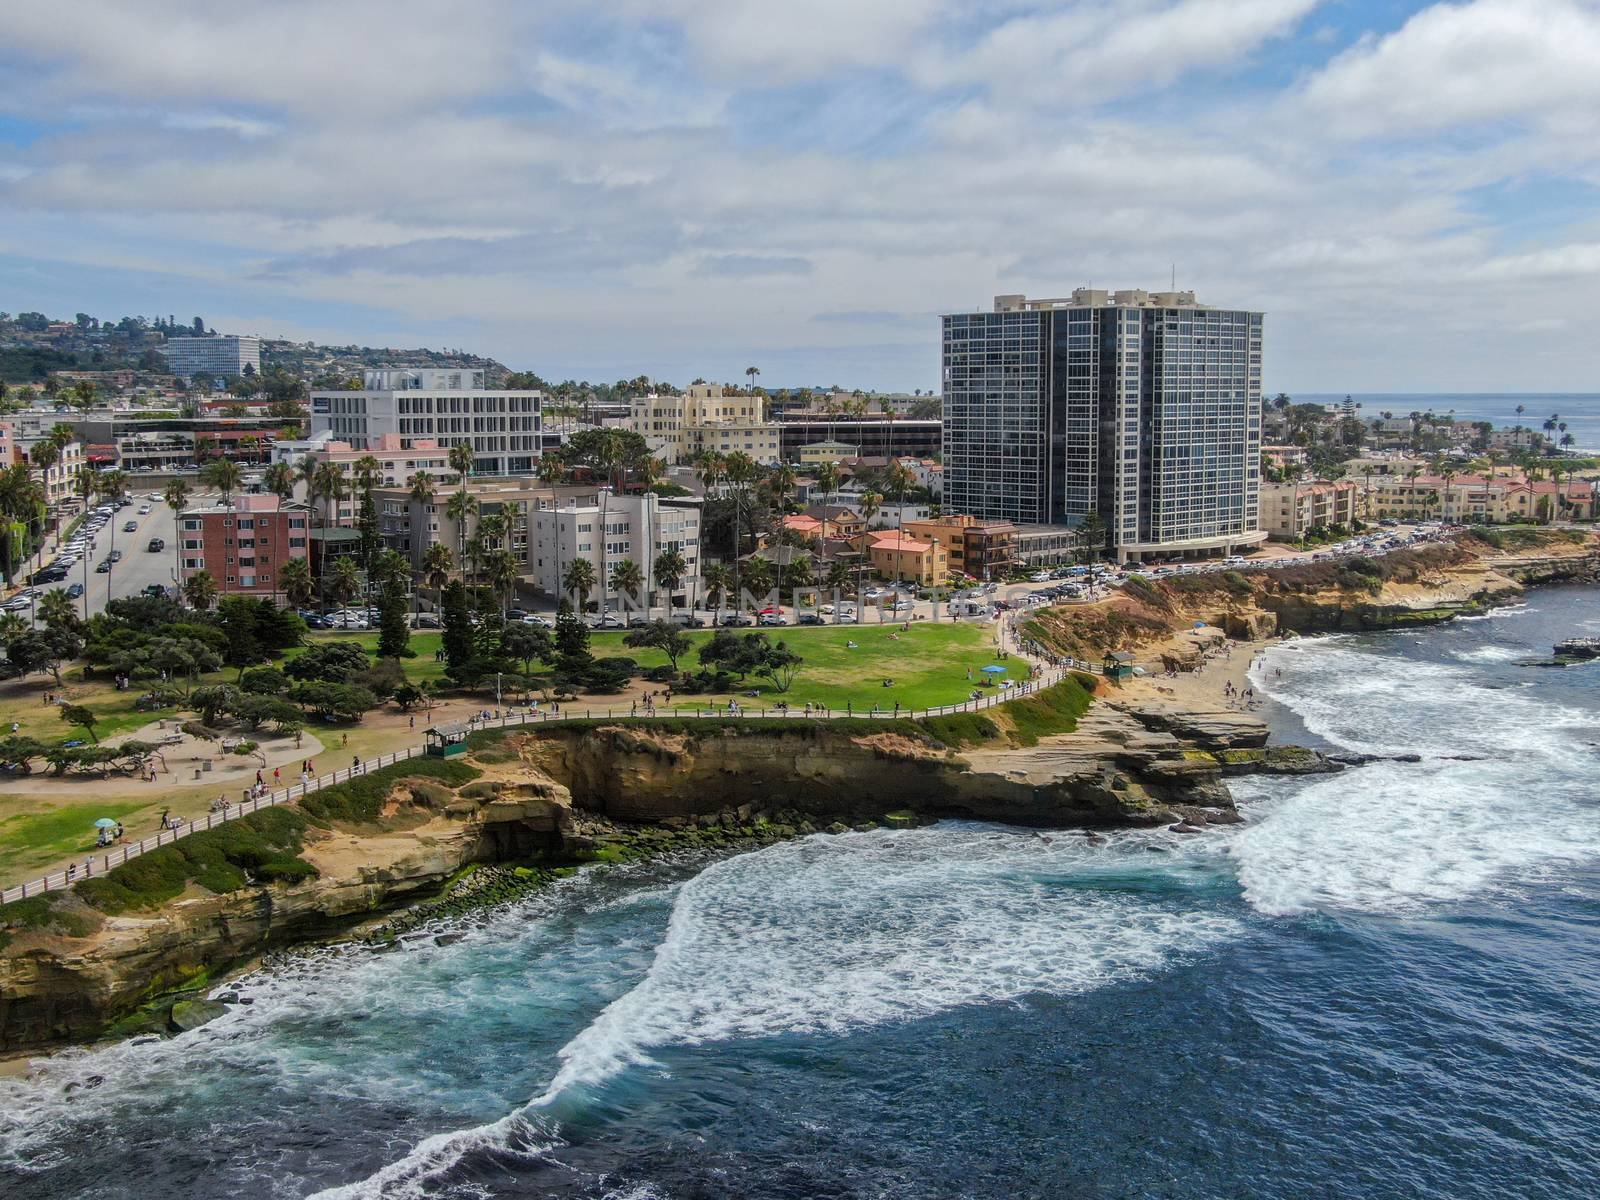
<point x="446" y="741"/>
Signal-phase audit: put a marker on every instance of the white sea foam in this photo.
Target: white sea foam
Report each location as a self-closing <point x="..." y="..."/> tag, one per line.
<point x="1491" y="654"/>
<point x="830" y="934"/>
<point x="1397" y="836"/>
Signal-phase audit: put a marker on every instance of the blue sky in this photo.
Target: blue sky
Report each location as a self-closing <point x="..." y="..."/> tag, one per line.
<point x="683" y="188"/>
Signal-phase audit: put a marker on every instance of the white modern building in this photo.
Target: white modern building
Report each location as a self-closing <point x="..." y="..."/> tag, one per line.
<point x="708" y="417"/>
<point x="1143" y="408"/>
<point x="609" y="529"/>
<point x="441" y="406"/>
<point x="213" y="357"/>
<point x="60" y="479"/>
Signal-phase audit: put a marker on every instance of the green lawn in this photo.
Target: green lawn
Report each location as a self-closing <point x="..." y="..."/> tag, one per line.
<point x="927" y="664"/>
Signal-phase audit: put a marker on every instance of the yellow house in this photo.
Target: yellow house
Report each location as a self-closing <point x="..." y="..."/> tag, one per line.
<point x="896" y="555"/>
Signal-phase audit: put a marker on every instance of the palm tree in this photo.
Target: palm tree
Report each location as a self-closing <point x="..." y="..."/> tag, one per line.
<point x="19" y="500"/>
<point x="460" y="458"/>
<point x="461" y="508"/>
<point x="670" y="568"/>
<point x="828" y="479"/>
<point x="224" y="475"/>
<point x="901" y="480"/>
<point x="871" y="502"/>
<point x="41" y="458"/>
<point x="626" y="578"/>
<point x="758" y="577"/>
<point x="579" y="580"/>
<point x="111" y="485"/>
<point x="838" y="578"/>
<point x="740" y="470"/>
<point x="177" y="498"/>
<point x="503" y="572"/>
<point x="345" y="583"/>
<point x="279" y="480"/>
<point x="200" y="590"/>
<point x="752" y="372"/>
<point x="719" y="582"/>
<point x="55" y="607"/>
<point x="295" y="579"/>
<point x="437" y="563"/>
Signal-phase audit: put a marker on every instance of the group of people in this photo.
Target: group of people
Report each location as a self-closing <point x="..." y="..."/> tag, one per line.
<point x="111" y="835"/>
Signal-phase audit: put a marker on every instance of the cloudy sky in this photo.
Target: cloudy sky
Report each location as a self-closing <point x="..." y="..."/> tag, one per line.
<point x="688" y="187"/>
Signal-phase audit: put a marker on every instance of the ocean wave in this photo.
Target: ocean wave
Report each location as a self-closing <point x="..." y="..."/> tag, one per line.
<point x="830" y="934"/>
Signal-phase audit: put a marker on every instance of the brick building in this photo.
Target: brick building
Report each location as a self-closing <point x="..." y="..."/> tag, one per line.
<point x="244" y="544"/>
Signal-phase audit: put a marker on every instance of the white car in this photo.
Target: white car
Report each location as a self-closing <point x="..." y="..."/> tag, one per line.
<point x="144" y="510"/>
<point x="845" y="618"/>
<point x="349" y="621"/>
<point x="903" y="606"/>
<point x="826" y="610"/>
<point x="543" y="622"/>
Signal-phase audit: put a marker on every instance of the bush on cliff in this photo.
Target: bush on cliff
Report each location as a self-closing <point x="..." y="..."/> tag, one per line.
<point x="260" y="848"/>
<point x="961" y="729"/>
<point x="1054" y="710"/>
<point x="360" y="800"/>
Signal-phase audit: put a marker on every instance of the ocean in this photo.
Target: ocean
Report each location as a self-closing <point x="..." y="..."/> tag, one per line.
<point x="1382" y="984"/>
<point x="1579" y="410"/>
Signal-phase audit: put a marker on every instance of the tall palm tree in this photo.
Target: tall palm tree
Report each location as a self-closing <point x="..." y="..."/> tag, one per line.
<point x="670" y="568"/>
<point x="279" y="480"/>
<point x="627" y="578"/>
<point x="345" y="580"/>
<point x="719" y="581"/>
<point x="751" y="373"/>
<point x="460" y="459"/>
<point x="828" y="480"/>
<point x="901" y="480"/>
<point x="294" y="577"/>
<point x="18" y="498"/>
<point x="437" y="564"/>
<point x="740" y="471"/>
<point x="503" y="570"/>
<point x="871" y="502"/>
<point x="44" y="455"/>
<point x="579" y="580"/>
<point x="111" y="485"/>
<point x="461" y="508"/>
<point x="224" y="475"/>
<point x="177" y="498"/>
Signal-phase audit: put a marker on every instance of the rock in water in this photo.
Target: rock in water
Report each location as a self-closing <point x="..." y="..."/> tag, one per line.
<point x="191" y="1014"/>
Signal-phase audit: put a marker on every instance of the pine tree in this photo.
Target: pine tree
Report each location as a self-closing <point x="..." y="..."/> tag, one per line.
<point x="458" y="644"/>
<point x="394" y="632"/>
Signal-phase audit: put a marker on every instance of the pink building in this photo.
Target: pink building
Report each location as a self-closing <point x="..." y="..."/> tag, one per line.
<point x="396" y="465"/>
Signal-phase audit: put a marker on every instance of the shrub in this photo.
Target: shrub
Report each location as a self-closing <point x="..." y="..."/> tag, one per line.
<point x="361" y="799"/>
<point x="261" y="847"/>
<point x="961" y="729"/>
<point x="1056" y="709"/>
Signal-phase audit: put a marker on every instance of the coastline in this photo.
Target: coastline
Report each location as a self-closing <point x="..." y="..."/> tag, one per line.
<point x="1149" y="752"/>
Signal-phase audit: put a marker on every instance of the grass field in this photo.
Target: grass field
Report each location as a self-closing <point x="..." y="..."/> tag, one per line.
<point x="928" y="663"/>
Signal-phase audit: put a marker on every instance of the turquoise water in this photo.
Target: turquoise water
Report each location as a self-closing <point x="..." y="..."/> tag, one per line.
<point x="1381" y="985"/>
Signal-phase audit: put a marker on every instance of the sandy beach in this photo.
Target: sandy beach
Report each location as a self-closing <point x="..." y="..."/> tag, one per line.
<point x="1221" y="663"/>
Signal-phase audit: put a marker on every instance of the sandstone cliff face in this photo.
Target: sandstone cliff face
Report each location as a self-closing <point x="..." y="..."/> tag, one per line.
<point x="635" y="775"/>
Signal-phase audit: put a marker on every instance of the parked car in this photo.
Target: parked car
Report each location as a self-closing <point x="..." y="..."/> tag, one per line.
<point x="516" y="614"/>
<point x="845" y="618"/>
<point x="608" y="620"/>
<point x="687" y="620"/>
<point x="425" y="621"/>
<point x="539" y="619"/>
<point x="317" y="621"/>
<point x="638" y="621"/>
<point x="811" y="618"/>
<point x="903" y="606"/>
<point x="773" y="620"/>
<point x="735" y="619"/>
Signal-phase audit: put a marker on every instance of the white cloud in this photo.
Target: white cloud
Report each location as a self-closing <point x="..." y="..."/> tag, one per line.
<point x="1452" y="65"/>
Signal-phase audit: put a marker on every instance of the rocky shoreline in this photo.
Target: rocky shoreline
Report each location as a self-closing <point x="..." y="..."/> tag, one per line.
<point x="555" y="798"/>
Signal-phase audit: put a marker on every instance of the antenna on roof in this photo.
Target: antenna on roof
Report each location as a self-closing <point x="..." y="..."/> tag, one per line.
<point x="1174" y="276"/>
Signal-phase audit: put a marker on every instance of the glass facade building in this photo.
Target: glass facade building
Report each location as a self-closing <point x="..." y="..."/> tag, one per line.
<point x="1143" y="408"/>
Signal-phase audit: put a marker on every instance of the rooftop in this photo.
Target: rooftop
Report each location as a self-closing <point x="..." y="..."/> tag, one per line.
<point x="1095" y="298"/>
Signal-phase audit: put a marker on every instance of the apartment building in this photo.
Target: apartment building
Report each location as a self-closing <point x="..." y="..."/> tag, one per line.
<point x="213" y="357"/>
<point x="975" y="547"/>
<point x="1476" y="498"/>
<point x="548" y="527"/>
<point x="707" y="418"/>
<point x="1289" y="511"/>
<point x="442" y="408"/>
<point x="611" y="529"/>
<point x="1142" y="407"/>
<point x="244" y="544"/>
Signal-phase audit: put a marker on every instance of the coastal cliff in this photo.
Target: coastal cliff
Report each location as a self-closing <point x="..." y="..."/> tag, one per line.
<point x="572" y="794"/>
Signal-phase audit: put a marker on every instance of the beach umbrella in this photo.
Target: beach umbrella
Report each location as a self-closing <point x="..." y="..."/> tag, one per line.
<point x="994" y="669"/>
<point x="105" y="823"/>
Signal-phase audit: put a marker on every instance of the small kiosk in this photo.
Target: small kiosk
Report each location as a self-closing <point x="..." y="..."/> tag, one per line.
<point x="1118" y="666"/>
<point x="446" y="741"/>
